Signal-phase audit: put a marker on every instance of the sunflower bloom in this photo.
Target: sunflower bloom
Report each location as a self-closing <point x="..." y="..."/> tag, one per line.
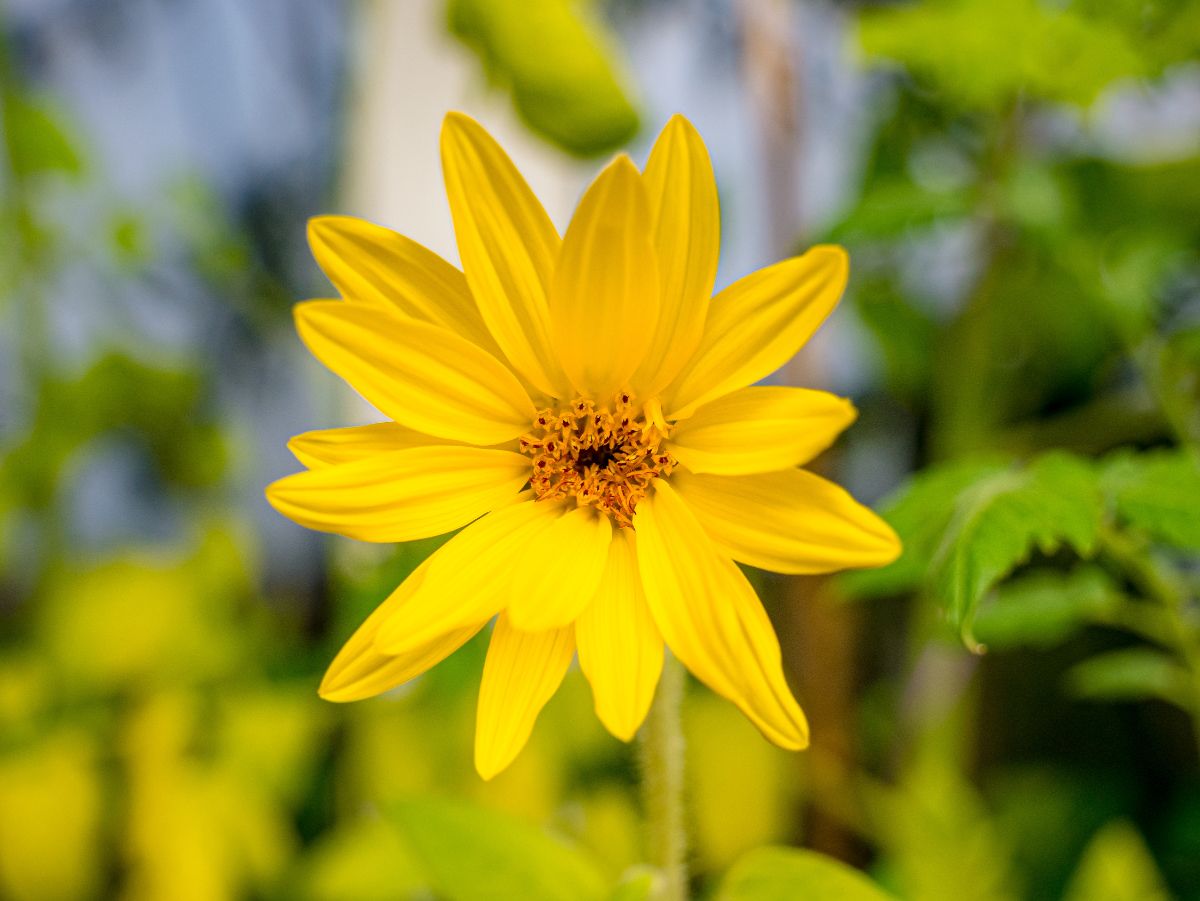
<point x="586" y="415"/>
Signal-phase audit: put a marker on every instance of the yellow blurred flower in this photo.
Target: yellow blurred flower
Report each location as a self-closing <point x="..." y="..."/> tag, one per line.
<point x="51" y="815"/>
<point x="581" y="407"/>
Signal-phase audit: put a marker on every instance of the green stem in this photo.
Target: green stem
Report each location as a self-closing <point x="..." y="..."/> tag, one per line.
<point x="662" y="783"/>
<point x="1139" y="566"/>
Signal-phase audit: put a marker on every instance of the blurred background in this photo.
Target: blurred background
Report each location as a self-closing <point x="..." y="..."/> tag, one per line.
<point x="1010" y="712"/>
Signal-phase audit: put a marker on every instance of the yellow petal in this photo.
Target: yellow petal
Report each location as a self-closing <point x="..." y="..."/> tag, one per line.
<point x="521" y="673"/>
<point x="508" y="247"/>
<point x="687" y="239"/>
<point x="788" y="522"/>
<point x="620" y="649"/>
<point x="360" y="671"/>
<point x="329" y="447"/>
<point x="421" y="375"/>
<point x="760" y="429"/>
<point x="757" y="324"/>
<point x="711" y="618"/>
<point x="468" y="578"/>
<point x="376" y="265"/>
<point x="604" y="299"/>
<point x="402" y="495"/>
<point x="553" y="580"/>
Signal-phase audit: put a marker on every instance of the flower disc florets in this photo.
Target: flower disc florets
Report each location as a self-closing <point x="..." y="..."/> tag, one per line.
<point x="603" y="456"/>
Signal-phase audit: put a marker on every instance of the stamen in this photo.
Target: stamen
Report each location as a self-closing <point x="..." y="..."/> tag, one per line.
<point x="600" y="457"/>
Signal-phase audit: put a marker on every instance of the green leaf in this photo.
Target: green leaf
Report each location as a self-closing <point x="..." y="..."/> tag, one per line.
<point x="784" y="874"/>
<point x="363" y="860"/>
<point x="892" y="206"/>
<point x="920" y="513"/>
<point x="641" y="883"/>
<point x="967" y="525"/>
<point x="1157" y="492"/>
<point x="1047" y="814"/>
<point x="1117" y="866"/>
<point x="1130" y="674"/>
<point x="1044" y="608"/>
<point x="1165" y="32"/>
<point x="984" y="52"/>
<point x="36" y="138"/>
<point x="557" y="63"/>
<point x="472" y="853"/>
<point x="932" y="827"/>
<point x="1000" y="520"/>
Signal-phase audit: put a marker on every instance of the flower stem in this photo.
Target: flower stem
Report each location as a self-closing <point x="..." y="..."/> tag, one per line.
<point x="662" y="783"/>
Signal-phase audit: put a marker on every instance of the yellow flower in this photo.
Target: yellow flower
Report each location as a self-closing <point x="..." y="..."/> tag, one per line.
<point x="580" y="409"/>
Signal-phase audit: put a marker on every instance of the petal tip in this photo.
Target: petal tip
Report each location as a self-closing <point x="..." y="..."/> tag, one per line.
<point x="835" y="255"/>
<point x="794" y="734"/>
<point x="622" y="175"/>
<point x="297" y="446"/>
<point x="323" y="223"/>
<point x="887" y="546"/>
<point x="892" y="547"/>
<point x="305" y="312"/>
<point x="457" y="118"/>
<point x="681" y="125"/>
<point x="333" y="688"/>
<point x="487" y="772"/>
<point x="320" y="229"/>
<point x="456" y="123"/>
<point x="488" y="763"/>
<point x="274" y="492"/>
<point x="624" y="163"/>
<point x="799" y="743"/>
<point x="620" y="729"/>
<point x="313" y="229"/>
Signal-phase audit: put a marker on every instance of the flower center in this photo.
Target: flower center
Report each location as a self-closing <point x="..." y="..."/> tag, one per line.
<point x="604" y="456"/>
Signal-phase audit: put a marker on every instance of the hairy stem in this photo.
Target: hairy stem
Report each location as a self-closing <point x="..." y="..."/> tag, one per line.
<point x="662" y="783"/>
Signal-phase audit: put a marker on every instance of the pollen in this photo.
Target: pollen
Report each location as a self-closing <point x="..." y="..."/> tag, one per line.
<point x="602" y="456"/>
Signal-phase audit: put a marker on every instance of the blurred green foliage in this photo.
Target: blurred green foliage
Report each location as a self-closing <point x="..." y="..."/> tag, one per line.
<point x="158" y="407"/>
<point x="558" y="62"/>
<point x="1117" y="866"/>
<point x="509" y="859"/>
<point x="984" y="52"/>
<point x="35" y="139"/>
<point x="780" y="874"/>
<point x="1053" y="389"/>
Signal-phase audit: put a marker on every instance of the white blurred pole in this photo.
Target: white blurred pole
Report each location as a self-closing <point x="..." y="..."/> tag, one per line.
<point x="408" y="72"/>
<point x="771" y="68"/>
